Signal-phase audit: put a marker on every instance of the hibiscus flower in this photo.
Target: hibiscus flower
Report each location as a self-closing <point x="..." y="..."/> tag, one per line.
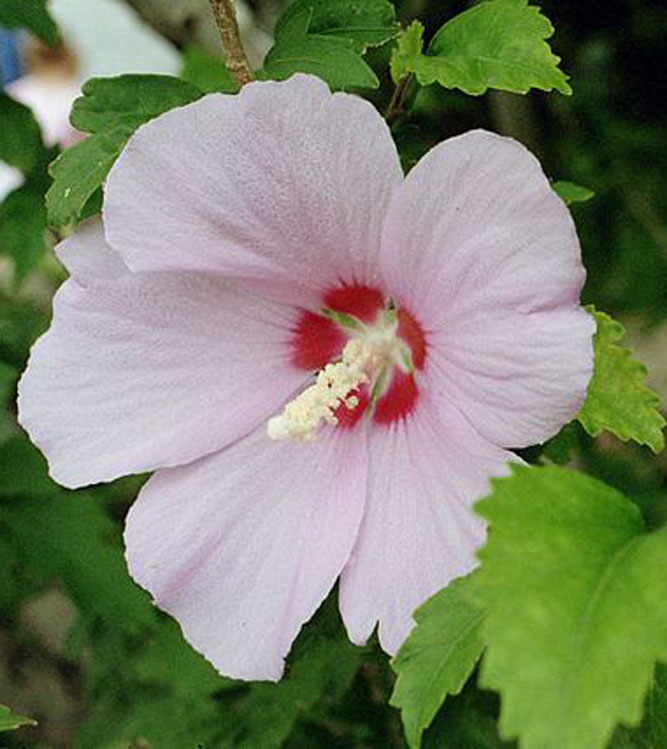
<point x="323" y="361"/>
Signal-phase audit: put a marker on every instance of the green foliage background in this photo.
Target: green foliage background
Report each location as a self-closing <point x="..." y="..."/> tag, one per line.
<point x="87" y="655"/>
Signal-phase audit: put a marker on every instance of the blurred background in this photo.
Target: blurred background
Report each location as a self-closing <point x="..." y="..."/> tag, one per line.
<point x="81" y="649"/>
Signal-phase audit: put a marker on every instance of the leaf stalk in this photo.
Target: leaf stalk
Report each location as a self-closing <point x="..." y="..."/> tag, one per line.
<point x="396" y="106"/>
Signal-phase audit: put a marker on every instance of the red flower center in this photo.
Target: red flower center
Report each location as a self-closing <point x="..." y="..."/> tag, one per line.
<point x="318" y="340"/>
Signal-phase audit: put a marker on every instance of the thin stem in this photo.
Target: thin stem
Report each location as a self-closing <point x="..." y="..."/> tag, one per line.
<point x="396" y="106"/>
<point x="236" y="58"/>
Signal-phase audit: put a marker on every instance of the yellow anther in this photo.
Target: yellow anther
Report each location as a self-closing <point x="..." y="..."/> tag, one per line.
<point x="302" y="416"/>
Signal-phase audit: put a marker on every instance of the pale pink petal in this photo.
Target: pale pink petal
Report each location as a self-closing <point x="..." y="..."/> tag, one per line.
<point x="284" y="181"/>
<point x="147" y="370"/>
<point x="494" y="276"/>
<point x="519" y="378"/>
<point x="87" y="257"/>
<point x="419" y="531"/>
<point x="242" y="546"/>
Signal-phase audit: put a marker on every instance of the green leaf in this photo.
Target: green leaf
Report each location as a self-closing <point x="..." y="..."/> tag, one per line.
<point x="8" y="377"/>
<point x="22" y="212"/>
<point x="167" y="698"/>
<point x="148" y="720"/>
<point x="570" y="193"/>
<point x="652" y="732"/>
<point x="325" y="666"/>
<point x="410" y="143"/>
<point x="498" y="44"/>
<point x="93" y="205"/>
<point x="166" y="658"/>
<point x="617" y="399"/>
<point x="208" y="73"/>
<point x="563" y="446"/>
<point x="31" y="15"/>
<point x="170" y="697"/>
<point x="10" y="721"/>
<point x="335" y="59"/>
<point x="128" y="101"/>
<point x="406" y="55"/>
<point x="79" y="171"/>
<point x="367" y="24"/>
<point x="438" y="656"/>
<point x="68" y="535"/>
<point x="24" y="468"/>
<point x="466" y="720"/>
<point x="21" y="320"/>
<point x="21" y="143"/>
<point x="111" y="109"/>
<point x="320" y="669"/>
<point x="22" y="227"/>
<point x="575" y="595"/>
